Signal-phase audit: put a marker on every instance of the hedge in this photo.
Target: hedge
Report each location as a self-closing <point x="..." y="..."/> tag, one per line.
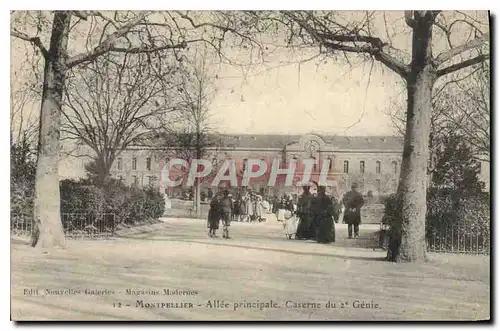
<point x="131" y="205"/>
<point x="447" y="209"/>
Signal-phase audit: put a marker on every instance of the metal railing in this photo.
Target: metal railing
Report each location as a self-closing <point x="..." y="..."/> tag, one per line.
<point x="455" y="239"/>
<point x="88" y="226"/>
<point x="21" y="225"/>
<point x="449" y="240"/>
<point x="75" y="225"/>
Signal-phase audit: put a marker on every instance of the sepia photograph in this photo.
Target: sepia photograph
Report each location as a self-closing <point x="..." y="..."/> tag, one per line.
<point x="250" y="165"/>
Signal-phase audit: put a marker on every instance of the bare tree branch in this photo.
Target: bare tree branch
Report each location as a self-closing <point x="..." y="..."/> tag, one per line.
<point x="410" y="21"/>
<point x="462" y="65"/>
<point x="108" y="43"/>
<point x="34" y="40"/>
<point x="475" y="43"/>
<point x="113" y="102"/>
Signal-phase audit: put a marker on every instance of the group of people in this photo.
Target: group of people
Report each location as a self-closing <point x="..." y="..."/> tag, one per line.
<point x="318" y="214"/>
<point x="246" y="207"/>
<point x="221" y="208"/>
<point x="249" y="207"/>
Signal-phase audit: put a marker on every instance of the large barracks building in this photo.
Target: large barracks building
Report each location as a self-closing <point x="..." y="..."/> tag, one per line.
<point x="372" y="162"/>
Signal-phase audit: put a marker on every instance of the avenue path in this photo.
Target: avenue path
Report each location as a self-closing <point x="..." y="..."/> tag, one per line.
<point x="256" y="275"/>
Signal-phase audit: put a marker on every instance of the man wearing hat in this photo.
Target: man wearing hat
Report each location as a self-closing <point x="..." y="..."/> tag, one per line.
<point x="226" y="206"/>
<point x="353" y="201"/>
<point x="304" y="214"/>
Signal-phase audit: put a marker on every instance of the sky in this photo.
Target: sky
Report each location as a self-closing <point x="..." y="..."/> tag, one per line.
<point x="331" y="98"/>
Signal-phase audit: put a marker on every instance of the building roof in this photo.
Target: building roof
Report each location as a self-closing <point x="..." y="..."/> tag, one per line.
<point x="339" y="142"/>
<point x="281" y="140"/>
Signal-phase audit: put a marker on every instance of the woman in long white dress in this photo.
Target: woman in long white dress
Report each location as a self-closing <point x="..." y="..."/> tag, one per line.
<point x="249" y="207"/>
<point x="291" y="221"/>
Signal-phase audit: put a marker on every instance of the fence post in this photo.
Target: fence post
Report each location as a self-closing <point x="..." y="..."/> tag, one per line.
<point x="452" y="245"/>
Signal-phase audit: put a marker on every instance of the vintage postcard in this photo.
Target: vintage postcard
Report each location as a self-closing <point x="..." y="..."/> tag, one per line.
<point x="250" y="165"/>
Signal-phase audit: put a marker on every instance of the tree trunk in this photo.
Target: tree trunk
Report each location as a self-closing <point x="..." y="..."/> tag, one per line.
<point x="197" y="201"/>
<point x="48" y="230"/>
<point x="407" y="242"/>
<point x="197" y="191"/>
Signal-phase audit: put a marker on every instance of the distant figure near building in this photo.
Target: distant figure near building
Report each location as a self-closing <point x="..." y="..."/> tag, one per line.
<point x="353" y="201"/>
<point x="227" y="209"/>
<point x="168" y="203"/>
<point x="337" y="208"/>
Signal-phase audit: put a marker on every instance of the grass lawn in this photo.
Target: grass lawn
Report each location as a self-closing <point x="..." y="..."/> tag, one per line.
<point x="257" y="266"/>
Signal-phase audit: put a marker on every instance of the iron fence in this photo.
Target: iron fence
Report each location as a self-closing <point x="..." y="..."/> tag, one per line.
<point x="21" y="224"/>
<point x="75" y="225"/>
<point x="449" y="239"/>
<point x="91" y="226"/>
<point x="458" y="239"/>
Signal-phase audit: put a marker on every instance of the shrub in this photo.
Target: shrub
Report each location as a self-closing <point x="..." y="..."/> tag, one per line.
<point x="450" y="213"/>
<point x="80" y="197"/>
<point x="22" y="187"/>
<point x="131" y="205"/>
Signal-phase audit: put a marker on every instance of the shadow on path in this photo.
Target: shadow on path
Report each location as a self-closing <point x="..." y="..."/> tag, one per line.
<point x="269" y="249"/>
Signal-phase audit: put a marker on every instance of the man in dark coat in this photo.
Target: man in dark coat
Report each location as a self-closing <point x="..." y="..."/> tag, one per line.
<point x="305" y="214"/>
<point x="322" y="207"/>
<point x="214" y="216"/>
<point x="226" y="207"/>
<point x="353" y="201"/>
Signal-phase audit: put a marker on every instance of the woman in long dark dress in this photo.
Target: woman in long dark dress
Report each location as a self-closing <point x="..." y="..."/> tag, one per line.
<point x="236" y="209"/>
<point x="323" y="210"/>
<point x="214" y="216"/>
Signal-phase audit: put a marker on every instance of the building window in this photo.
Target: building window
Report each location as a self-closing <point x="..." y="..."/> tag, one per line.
<point x="377" y="167"/>
<point x="362" y="167"/>
<point x="394" y="185"/>
<point x="151" y="180"/>
<point x="134" y="163"/>
<point x="314" y="163"/>
<point x="331" y="163"/>
<point x="135" y="180"/>
<point x="346" y="167"/>
<point x="377" y="185"/>
<point x="395" y="166"/>
<point x="120" y="165"/>
<point x="245" y="161"/>
<point x="148" y="163"/>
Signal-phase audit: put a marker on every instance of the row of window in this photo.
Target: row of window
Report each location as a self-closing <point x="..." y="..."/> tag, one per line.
<point x="135" y="180"/>
<point x="377" y="187"/>
<point x="134" y="163"/>
<point x="378" y="164"/>
<point x="378" y="167"/>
